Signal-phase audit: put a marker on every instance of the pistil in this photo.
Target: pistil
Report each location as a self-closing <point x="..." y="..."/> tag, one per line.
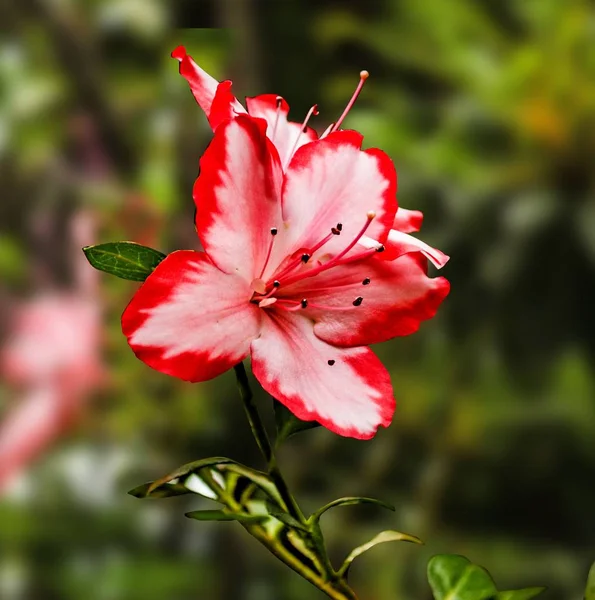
<point x="362" y="79"/>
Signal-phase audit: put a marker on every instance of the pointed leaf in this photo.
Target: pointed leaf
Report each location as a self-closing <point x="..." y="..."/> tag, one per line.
<point x="126" y="260"/>
<point x="381" y="538"/>
<point x="288" y="520"/>
<point x="288" y="424"/>
<point x="590" y="591"/>
<point x="222" y="515"/>
<point x="454" y="577"/>
<point x="188" y="469"/>
<point x="165" y="491"/>
<point x="348" y="500"/>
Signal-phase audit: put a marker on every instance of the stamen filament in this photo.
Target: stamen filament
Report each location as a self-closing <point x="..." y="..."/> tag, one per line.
<point x="312" y="111"/>
<point x="266" y="260"/>
<point x="362" y="79"/>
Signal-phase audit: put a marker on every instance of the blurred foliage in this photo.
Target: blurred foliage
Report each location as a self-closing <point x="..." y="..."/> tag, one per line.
<point x="488" y="109"/>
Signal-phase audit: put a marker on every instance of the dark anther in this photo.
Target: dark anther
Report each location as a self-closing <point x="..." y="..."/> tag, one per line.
<point x="273" y="231"/>
<point x="331" y="362"/>
<point x="276" y="283"/>
<point x="304" y="303"/>
<point x="358" y="301"/>
<point x="380" y="248"/>
<point x="335" y="231"/>
<point x="340" y="226"/>
<point x="305" y="258"/>
<point x="366" y="281"/>
<point x="279" y="100"/>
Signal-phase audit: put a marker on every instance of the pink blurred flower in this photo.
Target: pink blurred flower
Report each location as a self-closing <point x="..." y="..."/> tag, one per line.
<point x="52" y="355"/>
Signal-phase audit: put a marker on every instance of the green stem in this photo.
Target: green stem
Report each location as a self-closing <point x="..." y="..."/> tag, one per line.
<point x="263" y="442"/>
<point x="334" y="586"/>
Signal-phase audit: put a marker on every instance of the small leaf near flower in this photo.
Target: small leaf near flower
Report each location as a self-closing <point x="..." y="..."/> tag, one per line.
<point x="454" y="577"/>
<point x="223" y="515"/>
<point x="126" y="260"/>
<point x="381" y="538"/>
<point x="288" y="424"/>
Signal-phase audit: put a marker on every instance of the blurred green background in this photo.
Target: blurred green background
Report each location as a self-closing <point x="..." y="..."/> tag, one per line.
<point x="487" y="108"/>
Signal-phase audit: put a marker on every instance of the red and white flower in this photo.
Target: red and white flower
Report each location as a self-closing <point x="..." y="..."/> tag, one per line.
<point x="285" y="277"/>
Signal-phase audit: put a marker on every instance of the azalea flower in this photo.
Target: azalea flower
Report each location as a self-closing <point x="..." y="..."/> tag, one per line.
<point x="285" y="278"/>
<point x="219" y="104"/>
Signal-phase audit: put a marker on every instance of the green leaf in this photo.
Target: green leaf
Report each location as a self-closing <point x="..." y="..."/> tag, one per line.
<point x="454" y="577"/>
<point x="590" y="591"/>
<point x="348" y="500"/>
<point x="188" y="479"/>
<point x="223" y="515"/>
<point x="288" y="424"/>
<point x="126" y="260"/>
<point x="286" y="518"/>
<point x="381" y="538"/>
<point x="165" y="491"/>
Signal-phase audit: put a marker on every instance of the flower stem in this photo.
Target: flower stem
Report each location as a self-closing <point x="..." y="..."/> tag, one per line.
<point x="263" y="442"/>
<point x="324" y="578"/>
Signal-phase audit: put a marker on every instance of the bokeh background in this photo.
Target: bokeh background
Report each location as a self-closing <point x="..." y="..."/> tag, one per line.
<point x="487" y="108"/>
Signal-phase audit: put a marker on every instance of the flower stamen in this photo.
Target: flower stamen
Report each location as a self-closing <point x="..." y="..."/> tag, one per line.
<point x="274" y="232"/>
<point x="335" y="260"/>
<point x="312" y="111"/>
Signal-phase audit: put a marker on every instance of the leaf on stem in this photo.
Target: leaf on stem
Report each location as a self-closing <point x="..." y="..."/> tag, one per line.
<point x="126" y="260"/>
<point x="288" y="424"/>
<point x="285" y="518"/>
<point x="223" y="515"/>
<point x="381" y="538"/>
<point x="204" y="477"/>
<point x="349" y="500"/>
<point x="454" y="577"/>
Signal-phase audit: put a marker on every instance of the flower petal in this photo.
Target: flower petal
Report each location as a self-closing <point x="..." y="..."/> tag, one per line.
<point x="223" y="106"/>
<point x="203" y="86"/>
<point x="398" y="243"/>
<point x="286" y="135"/>
<point x="352" y="396"/>
<point x="189" y="319"/>
<point x="237" y="196"/>
<point x="408" y="221"/>
<point x="398" y="297"/>
<point x="334" y="181"/>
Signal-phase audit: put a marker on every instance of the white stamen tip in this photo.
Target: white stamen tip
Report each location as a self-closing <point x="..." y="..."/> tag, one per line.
<point x="267" y="302"/>
<point x="364" y="74"/>
<point x="259" y="286"/>
<point x="371" y="214"/>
